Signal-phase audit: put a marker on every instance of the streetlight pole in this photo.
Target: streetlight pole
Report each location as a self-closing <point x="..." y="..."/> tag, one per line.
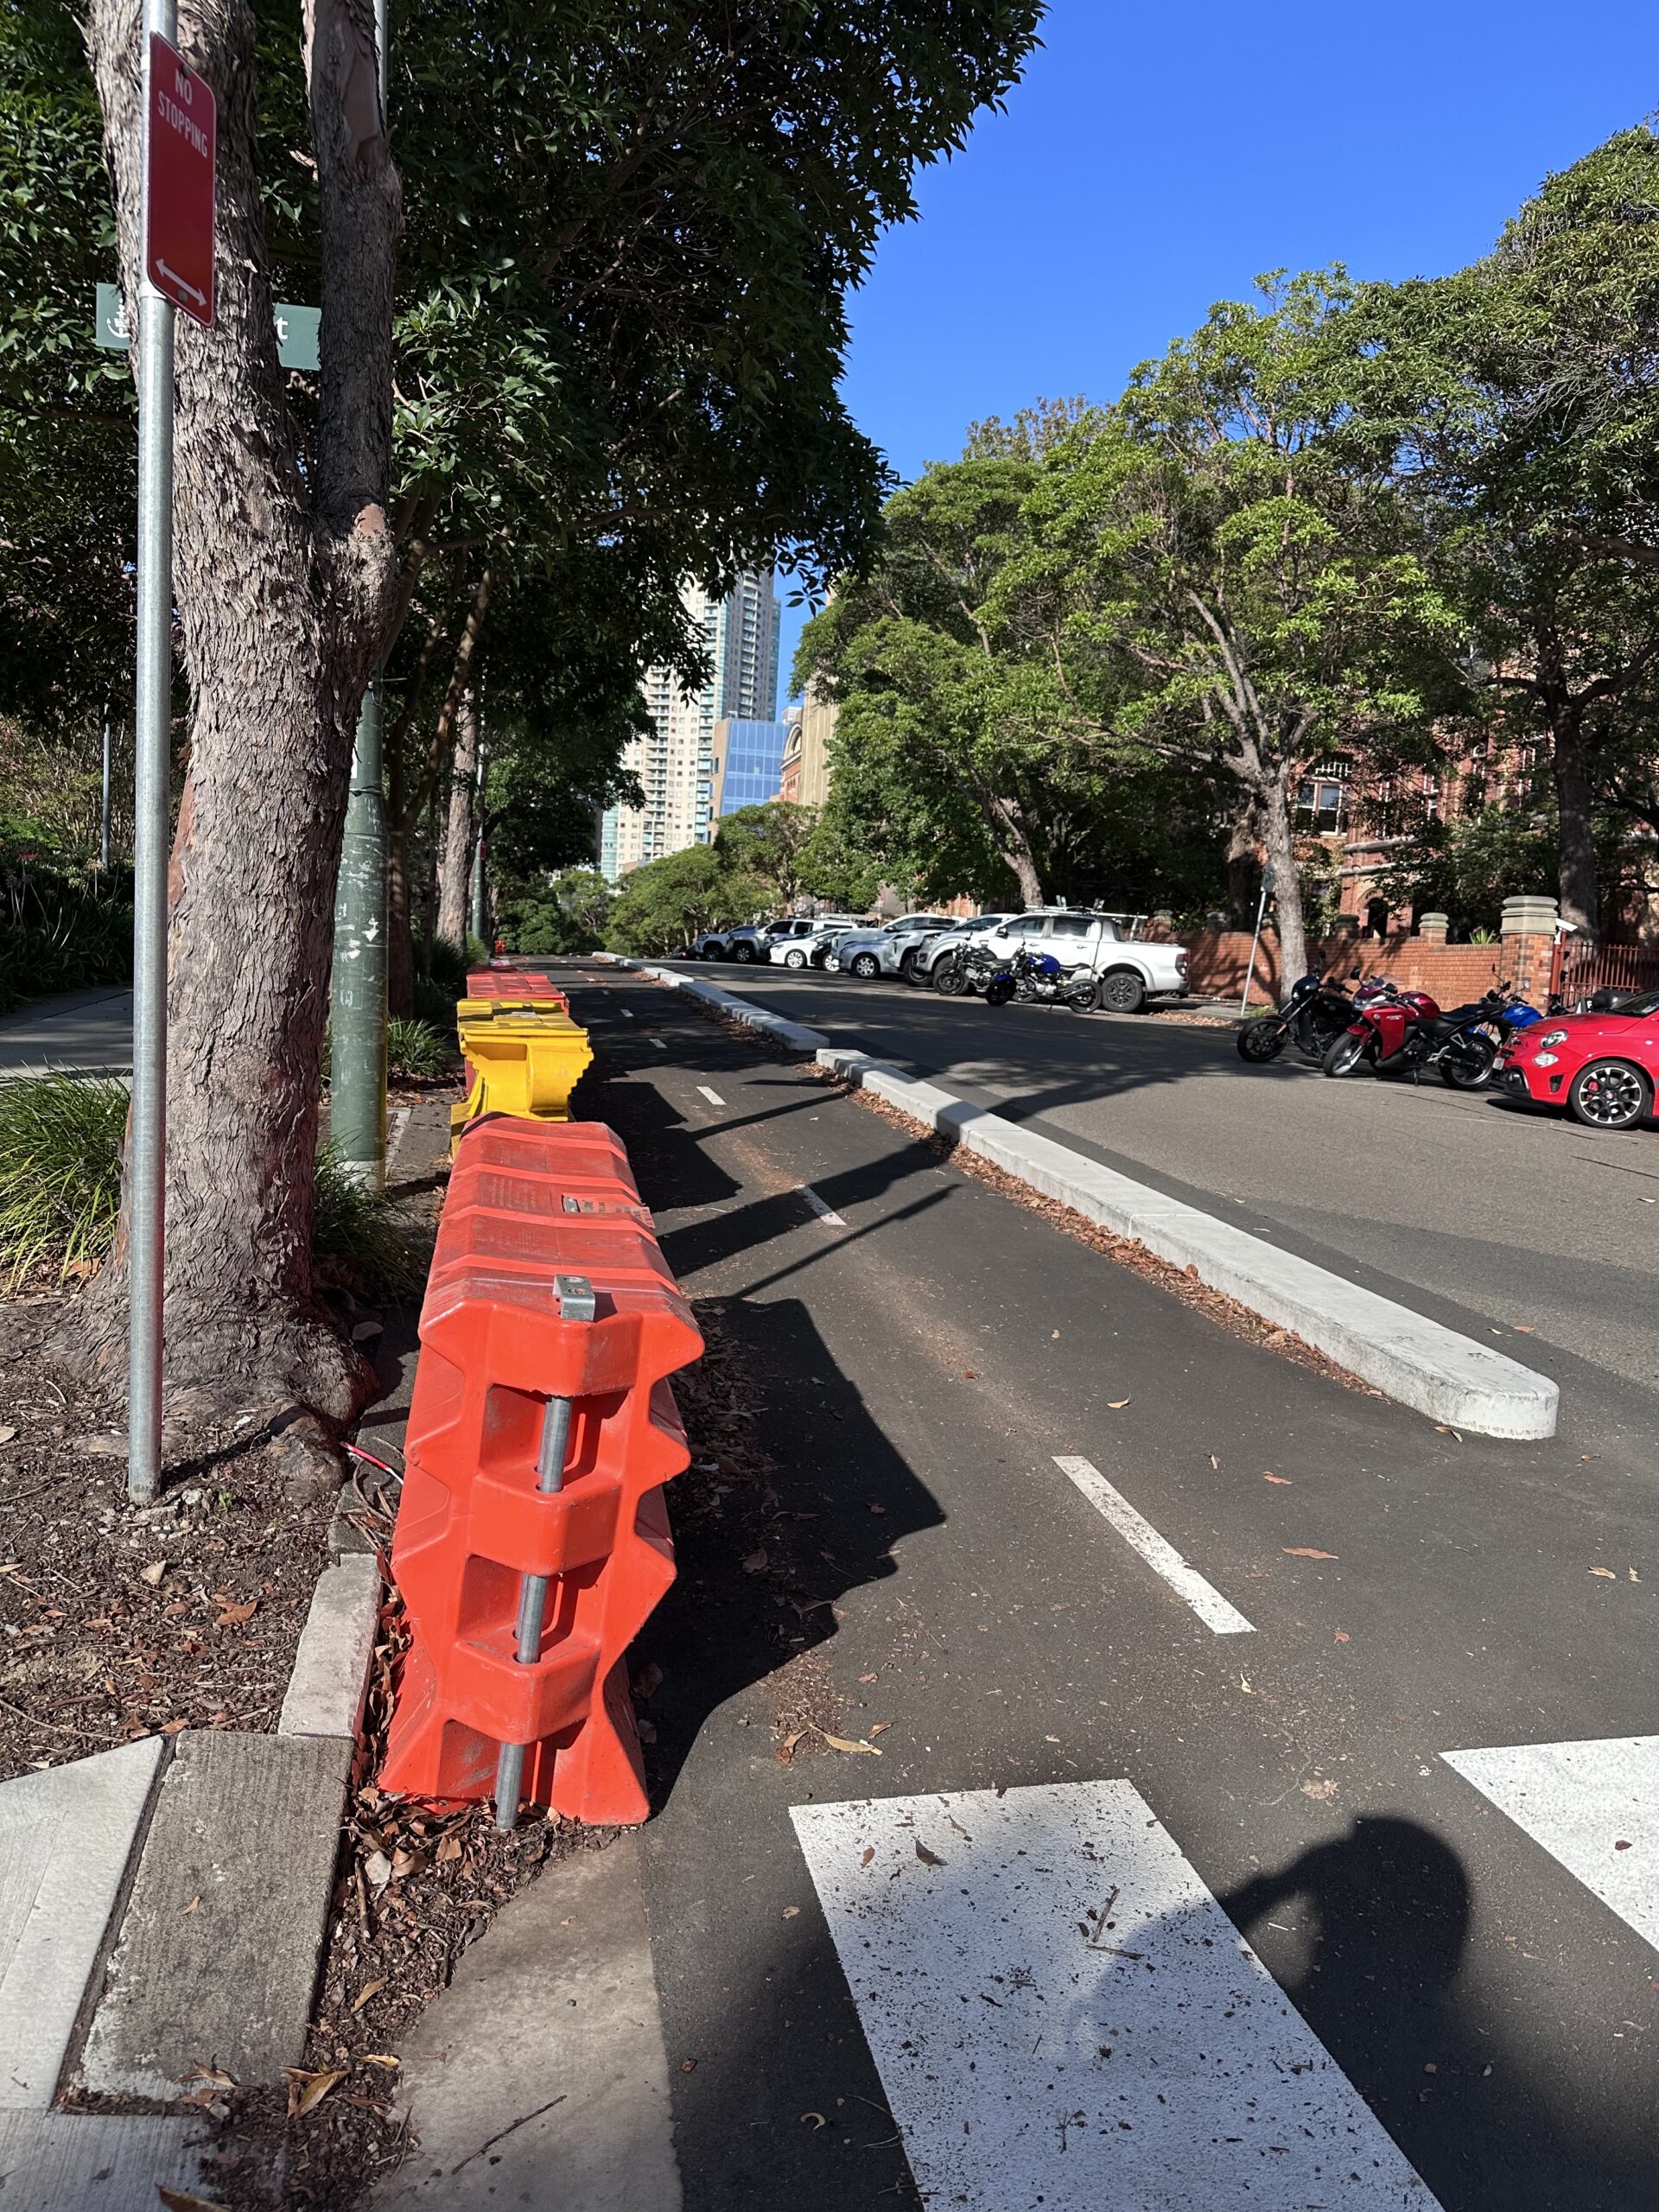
<point x="153" y="719"/>
<point x="357" y="1079"/>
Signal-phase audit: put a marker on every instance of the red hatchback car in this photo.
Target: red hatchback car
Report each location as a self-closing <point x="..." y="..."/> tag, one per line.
<point x="1602" y="1067"/>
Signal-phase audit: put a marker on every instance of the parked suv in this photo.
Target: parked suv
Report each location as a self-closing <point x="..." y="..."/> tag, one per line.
<point x="873" y="953"/>
<point x="1129" y="972"/>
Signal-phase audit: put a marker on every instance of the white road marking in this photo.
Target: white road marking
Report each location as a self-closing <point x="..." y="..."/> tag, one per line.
<point x="658" y="1043"/>
<point x="399" y="1123"/>
<point x="625" y="1014"/>
<point x="824" y="1212"/>
<point x="1207" y="1602"/>
<point x="1062" y="2014"/>
<point x="1594" y="1806"/>
<point x="713" y="1096"/>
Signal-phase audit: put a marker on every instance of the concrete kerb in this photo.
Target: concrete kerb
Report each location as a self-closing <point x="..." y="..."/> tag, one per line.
<point x="1421" y="1363"/>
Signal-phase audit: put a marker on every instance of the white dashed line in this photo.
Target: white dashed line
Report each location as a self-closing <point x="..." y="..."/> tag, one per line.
<point x="1062" y="2014"/>
<point x="1211" y="1608"/>
<point x="713" y="1096"/>
<point x="658" y="1043"/>
<point x="625" y="1015"/>
<point x="826" y="1214"/>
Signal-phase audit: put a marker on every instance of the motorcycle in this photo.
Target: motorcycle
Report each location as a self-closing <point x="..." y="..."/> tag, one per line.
<point x="1315" y="1014"/>
<point x="1399" y="1030"/>
<point x="1035" y="977"/>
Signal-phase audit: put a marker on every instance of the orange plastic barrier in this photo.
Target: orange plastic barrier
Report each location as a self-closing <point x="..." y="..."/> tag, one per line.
<point x="529" y="1206"/>
<point x="521" y="986"/>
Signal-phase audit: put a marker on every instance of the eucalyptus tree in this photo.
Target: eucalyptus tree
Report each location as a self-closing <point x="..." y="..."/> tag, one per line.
<point x="631" y="229"/>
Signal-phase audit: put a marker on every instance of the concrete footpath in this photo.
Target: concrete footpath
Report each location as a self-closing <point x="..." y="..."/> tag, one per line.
<point x="1124" y="1766"/>
<point x="88" y="1031"/>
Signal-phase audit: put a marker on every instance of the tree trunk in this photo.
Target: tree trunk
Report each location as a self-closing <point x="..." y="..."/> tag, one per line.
<point x="1241" y="841"/>
<point x="1277" y="836"/>
<point x="281" y="569"/>
<point x="455" y="860"/>
<point x="1009" y="832"/>
<point x="1580" y="903"/>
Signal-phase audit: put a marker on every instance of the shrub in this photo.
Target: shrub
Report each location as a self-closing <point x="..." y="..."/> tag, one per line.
<point x="434" y="1004"/>
<point x="56" y="935"/>
<point x="60" y="1138"/>
<point x="417" y="1048"/>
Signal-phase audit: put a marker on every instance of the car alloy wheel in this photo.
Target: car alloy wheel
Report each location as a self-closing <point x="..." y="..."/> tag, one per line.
<point x="1609" y="1095"/>
<point x="743" y="952"/>
<point x="794" y="960"/>
<point x="865" y="964"/>
<point x="1121" y="991"/>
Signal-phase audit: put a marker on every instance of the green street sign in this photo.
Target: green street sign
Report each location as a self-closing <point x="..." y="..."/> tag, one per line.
<point x="296" y="328"/>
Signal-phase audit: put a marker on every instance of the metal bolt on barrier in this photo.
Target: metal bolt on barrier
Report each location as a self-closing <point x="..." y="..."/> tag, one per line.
<point x="576" y="1303"/>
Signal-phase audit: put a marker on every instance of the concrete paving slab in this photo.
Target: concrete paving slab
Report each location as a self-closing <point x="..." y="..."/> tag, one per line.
<point x="1421" y="1363"/>
<point x="331" y="1668"/>
<point x="85" y="2162"/>
<point x="66" y="1839"/>
<point x="217" y="1957"/>
<point x="539" y="2078"/>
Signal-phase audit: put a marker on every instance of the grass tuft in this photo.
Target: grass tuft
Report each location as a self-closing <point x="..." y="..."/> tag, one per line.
<point x="416" y="1048"/>
<point x="61" y="1141"/>
<point x="60" y="1138"/>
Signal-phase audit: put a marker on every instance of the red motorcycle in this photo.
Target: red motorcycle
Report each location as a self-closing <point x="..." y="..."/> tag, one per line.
<point x="1400" y="1031"/>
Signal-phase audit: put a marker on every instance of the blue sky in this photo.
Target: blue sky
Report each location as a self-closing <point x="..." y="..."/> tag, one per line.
<point x="1154" y="159"/>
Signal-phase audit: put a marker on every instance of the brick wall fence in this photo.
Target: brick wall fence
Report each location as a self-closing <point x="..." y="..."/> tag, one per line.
<point x="1422" y="962"/>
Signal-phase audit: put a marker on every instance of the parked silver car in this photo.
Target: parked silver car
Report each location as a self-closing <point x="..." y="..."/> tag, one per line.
<point x="922" y="964"/>
<point x="813" y="944"/>
<point x="872" y="952"/>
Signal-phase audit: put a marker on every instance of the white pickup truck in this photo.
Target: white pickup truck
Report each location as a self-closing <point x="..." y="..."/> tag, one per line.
<point x="1130" y="972"/>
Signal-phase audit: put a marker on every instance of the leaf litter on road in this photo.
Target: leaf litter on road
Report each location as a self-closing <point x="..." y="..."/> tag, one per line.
<point x="1304" y="1551"/>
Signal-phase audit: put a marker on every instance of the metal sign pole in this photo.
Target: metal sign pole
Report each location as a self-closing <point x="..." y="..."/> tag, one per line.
<point x="104" y="810"/>
<point x="1249" y="965"/>
<point x="152" y="812"/>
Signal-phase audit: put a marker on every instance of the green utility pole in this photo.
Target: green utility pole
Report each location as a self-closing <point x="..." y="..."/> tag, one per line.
<point x="357" y="1080"/>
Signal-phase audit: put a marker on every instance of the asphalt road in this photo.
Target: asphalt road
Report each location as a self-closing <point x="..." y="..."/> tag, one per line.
<point x="1481" y="1213"/>
<point x="915" y="1571"/>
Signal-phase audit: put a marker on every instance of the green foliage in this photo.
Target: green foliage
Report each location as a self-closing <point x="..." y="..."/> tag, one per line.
<point x="419" y="1049"/>
<point x="435" y="1005"/>
<point x="60" y="935"/>
<point x="567" y="915"/>
<point x="61" y="1139"/>
<point x="366" y="1236"/>
<point x="765" y="844"/>
<point x="661" y="904"/>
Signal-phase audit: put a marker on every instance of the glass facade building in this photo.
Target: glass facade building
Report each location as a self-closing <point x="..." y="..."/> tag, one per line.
<point x="748" y="763"/>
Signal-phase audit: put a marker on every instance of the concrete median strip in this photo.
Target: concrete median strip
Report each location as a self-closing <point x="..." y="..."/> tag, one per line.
<point x="1424" y="1364"/>
<point x="1420" y="1362"/>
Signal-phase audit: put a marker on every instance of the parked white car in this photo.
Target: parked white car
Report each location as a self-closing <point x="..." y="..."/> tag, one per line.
<point x="870" y="952"/>
<point x="811" y="946"/>
<point x="1129" y="971"/>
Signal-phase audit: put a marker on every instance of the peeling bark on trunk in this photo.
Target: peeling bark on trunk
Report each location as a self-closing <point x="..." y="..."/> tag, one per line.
<point x="1574" y="802"/>
<point x="1280" y="840"/>
<point x="456" y="857"/>
<point x="282" y="569"/>
<point x="1009" y="832"/>
<point x="1241" y="843"/>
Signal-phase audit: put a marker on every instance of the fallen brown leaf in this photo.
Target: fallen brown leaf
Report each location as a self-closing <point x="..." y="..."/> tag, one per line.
<point x="191" y="1907"/>
<point x="879" y="1727"/>
<point x="792" y="1912"/>
<point x="179" y="2200"/>
<point x="448" y="1851"/>
<point x="755" y="1564"/>
<point x="1341" y="1636"/>
<point x="846" y="1743"/>
<point x="1283" y="1481"/>
<point x="1304" y="1551"/>
<point x="928" y="1857"/>
<point x="233" y="1616"/>
<point x="786" y="1749"/>
<point x="867" y="1678"/>
<point x="153" y="1573"/>
<point x="380" y="2058"/>
<point x="373" y="1988"/>
<point x="648" y="1681"/>
<point x="307" y="2091"/>
<point x="1607" y="1573"/>
<point x="1116" y="1405"/>
<point x="869" y="1853"/>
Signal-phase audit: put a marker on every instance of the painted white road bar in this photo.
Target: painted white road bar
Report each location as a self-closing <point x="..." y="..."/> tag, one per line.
<point x="1063" y="2016"/>
<point x="1594" y="1806"/>
<point x="1206" y="1601"/>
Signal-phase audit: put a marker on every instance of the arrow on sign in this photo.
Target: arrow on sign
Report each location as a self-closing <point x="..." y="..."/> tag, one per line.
<point x="172" y="277"/>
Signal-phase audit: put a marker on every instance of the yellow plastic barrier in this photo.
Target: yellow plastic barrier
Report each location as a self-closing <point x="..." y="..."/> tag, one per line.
<point x="523" y="1061"/>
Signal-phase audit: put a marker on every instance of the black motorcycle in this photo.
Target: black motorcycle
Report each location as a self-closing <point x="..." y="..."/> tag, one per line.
<point x="1037" y="978"/>
<point x="1312" y="1018"/>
